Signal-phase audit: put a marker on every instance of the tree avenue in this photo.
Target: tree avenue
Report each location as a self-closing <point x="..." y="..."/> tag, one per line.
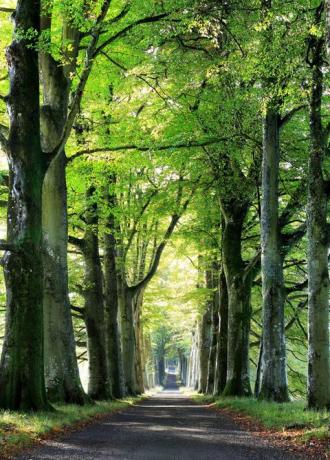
<point x="164" y="199"/>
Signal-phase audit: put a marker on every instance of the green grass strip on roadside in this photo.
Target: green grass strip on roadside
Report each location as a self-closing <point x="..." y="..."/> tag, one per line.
<point x="22" y="429"/>
<point x="281" y="417"/>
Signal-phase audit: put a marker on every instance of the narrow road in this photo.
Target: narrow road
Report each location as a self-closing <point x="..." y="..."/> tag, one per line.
<point x="166" y="426"/>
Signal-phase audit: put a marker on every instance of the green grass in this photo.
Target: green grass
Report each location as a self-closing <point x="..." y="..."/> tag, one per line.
<point x="280" y="417"/>
<point x="21" y="429"/>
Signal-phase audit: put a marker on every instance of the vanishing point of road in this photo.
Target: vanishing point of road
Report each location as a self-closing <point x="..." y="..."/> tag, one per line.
<point x="166" y="426"/>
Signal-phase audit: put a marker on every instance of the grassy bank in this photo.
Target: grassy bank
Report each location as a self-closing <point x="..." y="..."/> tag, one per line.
<point x="280" y="417"/>
<point x="20" y="430"/>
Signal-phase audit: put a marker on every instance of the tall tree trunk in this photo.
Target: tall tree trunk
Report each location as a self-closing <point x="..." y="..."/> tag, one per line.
<point x="239" y="308"/>
<point x="221" y="359"/>
<point x="205" y="338"/>
<point x="111" y="300"/>
<point x="128" y="344"/>
<point x="99" y="382"/>
<point x="22" y="385"/>
<point x="214" y="331"/>
<point x="318" y="275"/>
<point x="273" y="384"/>
<point x="61" y="367"/>
<point x="139" y="346"/>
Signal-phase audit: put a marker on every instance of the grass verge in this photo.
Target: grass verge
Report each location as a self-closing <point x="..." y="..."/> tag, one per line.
<point x="19" y="430"/>
<point x="293" y="417"/>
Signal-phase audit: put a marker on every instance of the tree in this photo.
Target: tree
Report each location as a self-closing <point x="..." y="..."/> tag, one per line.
<point x="22" y="384"/>
<point x="318" y="245"/>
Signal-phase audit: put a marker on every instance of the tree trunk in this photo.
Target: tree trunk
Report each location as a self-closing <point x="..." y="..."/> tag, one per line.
<point x="205" y="339"/>
<point x="139" y="346"/>
<point x="221" y="359"/>
<point x="214" y="331"/>
<point x="239" y="309"/>
<point x="161" y="369"/>
<point x="22" y="384"/>
<point x="318" y="275"/>
<point x="273" y="384"/>
<point x="128" y="338"/>
<point x="99" y="382"/>
<point x="61" y="367"/>
<point x="111" y="302"/>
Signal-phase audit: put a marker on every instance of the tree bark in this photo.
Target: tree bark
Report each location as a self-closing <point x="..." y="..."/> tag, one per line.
<point x="318" y="275"/>
<point x="111" y="301"/>
<point x="128" y="344"/>
<point x="22" y="385"/>
<point x="205" y="338"/>
<point x="221" y="359"/>
<point x="214" y="330"/>
<point x="239" y="308"/>
<point x="99" y="381"/>
<point x="273" y="384"/>
<point x="61" y="367"/>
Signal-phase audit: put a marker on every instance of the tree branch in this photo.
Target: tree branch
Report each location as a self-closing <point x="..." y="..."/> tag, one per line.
<point x="125" y="30"/>
<point x="3" y="138"/>
<point x="160" y="249"/>
<point x="4" y="9"/>
<point x="78" y="242"/>
<point x="88" y="64"/>
<point x="288" y="116"/>
<point x="145" y="148"/>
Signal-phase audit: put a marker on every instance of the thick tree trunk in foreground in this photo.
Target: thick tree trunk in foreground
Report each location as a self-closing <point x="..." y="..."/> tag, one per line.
<point x="22" y="384"/>
<point x="99" y="382"/>
<point x="221" y="358"/>
<point x="111" y="303"/>
<point x="318" y="276"/>
<point x="61" y="368"/>
<point x="239" y="308"/>
<point x="273" y="384"/>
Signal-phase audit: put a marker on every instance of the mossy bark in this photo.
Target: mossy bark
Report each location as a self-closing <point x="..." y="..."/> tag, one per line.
<point x="22" y="385"/>
<point x="318" y="275"/>
<point x="273" y="381"/>
<point x="99" y="387"/>
<point x="61" y="367"/>
<point x="205" y="338"/>
<point x="239" y="307"/>
<point x="111" y="298"/>
<point x="221" y="358"/>
<point x="128" y="345"/>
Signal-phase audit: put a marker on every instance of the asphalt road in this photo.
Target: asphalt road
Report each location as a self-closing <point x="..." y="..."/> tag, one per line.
<point x="166" y="426"/>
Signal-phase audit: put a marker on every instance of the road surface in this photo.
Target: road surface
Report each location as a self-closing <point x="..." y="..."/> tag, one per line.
<point x="167" y="426"/>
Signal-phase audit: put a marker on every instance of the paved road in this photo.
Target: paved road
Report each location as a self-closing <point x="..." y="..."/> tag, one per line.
<point x="168" y="426"/>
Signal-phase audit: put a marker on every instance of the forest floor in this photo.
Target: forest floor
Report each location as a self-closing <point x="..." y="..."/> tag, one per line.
<point x="166" y="426"/>
<point x="288" y="425"/>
